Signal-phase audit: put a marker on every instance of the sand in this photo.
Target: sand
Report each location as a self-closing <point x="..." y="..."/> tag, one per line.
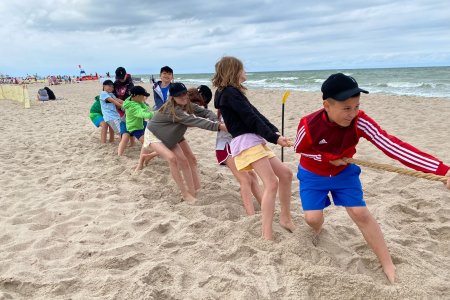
<point x="78" y="224"/>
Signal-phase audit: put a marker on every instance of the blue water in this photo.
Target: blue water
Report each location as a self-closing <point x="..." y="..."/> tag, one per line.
<point x="426" y="82"/>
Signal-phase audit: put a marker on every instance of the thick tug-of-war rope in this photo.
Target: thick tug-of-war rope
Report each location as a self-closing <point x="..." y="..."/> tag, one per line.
<point x="397" y="170"/>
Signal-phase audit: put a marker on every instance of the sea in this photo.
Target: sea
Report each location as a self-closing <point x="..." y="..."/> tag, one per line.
<point x="417" y="81"/>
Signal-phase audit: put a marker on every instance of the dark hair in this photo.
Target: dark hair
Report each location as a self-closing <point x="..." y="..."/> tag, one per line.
<point x="50" y="93"/>
<point x="196" y="97"/>
<point x="166" y="69"/>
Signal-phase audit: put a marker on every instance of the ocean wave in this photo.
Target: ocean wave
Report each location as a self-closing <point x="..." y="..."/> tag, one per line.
<point x="286" y="78"/>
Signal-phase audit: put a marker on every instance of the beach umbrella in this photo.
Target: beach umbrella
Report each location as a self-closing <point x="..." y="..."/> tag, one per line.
<point x="283" y="101"/>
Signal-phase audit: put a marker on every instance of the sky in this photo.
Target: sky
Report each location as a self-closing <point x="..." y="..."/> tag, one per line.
<point x="47" y="37"/>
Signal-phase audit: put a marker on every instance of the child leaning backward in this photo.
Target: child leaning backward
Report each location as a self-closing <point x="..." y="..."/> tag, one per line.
<point x="108" y="103"/>
<point x="251" y="131"/>
<point x="136" y="111"/>
<point x="96" y="116"/>
<point x="165" y="135"/>
<point x="328" y="136"/>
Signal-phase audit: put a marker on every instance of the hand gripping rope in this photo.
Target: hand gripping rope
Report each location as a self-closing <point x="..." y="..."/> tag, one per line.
<point x="398" y="170"/>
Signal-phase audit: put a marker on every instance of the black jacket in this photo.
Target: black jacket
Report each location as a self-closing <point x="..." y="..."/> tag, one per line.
<point x="122" y="89"/>
<point x="241" y="116"/>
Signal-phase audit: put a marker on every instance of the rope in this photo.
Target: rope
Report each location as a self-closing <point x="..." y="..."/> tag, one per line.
<point x="398" y="170"/>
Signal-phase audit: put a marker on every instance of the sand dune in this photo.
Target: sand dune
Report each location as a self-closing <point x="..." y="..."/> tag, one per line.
<point x="78" y="224"/>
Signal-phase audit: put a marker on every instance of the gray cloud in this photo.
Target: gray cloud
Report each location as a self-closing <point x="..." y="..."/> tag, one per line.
<point x="192" y="35"/>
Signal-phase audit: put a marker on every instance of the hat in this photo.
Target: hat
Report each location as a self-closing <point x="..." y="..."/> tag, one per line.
<point x="166" y="69"/>
<point x="206" y="93"/>
<point x="108" y="82"/>
<point x="120" y="73"/>
<point x="138" y="90"/>
<point x="177" y="89"/>
<point x="340" y="87"/>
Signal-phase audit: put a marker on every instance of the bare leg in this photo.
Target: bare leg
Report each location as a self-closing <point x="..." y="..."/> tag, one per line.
<point x="256" y="188"/>
<point x="132" y="141"/>
<point x="314" y="218"/>
<point x="264" y="170"/>
<point x="192" y="160"/>
<point x="170" y="156"/>
<point x="111" y="134"/>
<point x="123" y="143"/>
<point x="284" y="175"/>
<point x="145" y="156"/>
<point x="374" y="237"/>
<point x="185" y="168"/>
<point x="245" y="186"/>
<point x="104" y="132"/>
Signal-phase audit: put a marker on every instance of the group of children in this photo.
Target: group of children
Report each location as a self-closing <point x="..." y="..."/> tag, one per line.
<point x="324" y="140"/>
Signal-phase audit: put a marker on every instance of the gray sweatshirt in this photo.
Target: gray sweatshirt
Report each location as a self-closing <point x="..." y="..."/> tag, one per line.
<point x="171" y="131"/>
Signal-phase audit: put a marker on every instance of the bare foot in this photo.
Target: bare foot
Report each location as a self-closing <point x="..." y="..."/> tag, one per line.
<point x="267" y="236"/>
<point x="189" y="198"/>
<point x="315" y="239"/>
<point x="138" y="167"/>
<point x="289" y="226"/>
<point x="390" y="273"/>
<point x="149" y="157"/>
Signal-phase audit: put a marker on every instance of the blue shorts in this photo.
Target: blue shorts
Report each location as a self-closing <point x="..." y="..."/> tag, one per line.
<point x="97" y="119"/>
<point x="123" y="128"/>
<point x="138" y="133"/>
<point x="345" y="188"/>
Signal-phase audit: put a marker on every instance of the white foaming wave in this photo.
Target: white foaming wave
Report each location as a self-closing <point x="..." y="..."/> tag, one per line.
<point x="286" y="78"/>
<point x="403" y="84"/>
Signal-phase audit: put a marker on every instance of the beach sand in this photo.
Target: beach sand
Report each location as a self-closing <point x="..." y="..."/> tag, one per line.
<point x="78" y="224"/>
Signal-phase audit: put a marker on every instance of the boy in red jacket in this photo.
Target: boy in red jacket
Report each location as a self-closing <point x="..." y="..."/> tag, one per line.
<point x="328" y="136"/>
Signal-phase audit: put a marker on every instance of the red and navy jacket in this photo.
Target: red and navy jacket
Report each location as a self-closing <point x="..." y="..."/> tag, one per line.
<point x="318" y="141"/>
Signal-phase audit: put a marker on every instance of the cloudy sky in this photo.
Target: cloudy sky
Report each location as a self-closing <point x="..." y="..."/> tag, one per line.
<point x="54" y="37"/>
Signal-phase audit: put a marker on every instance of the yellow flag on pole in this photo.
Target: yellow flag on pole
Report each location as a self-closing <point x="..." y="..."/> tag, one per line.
<point x="285" y="96"/>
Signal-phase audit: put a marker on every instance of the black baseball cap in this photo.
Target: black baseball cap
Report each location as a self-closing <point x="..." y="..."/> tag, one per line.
<point x="138" y="90"/>
<point x="108" y="82"/>
<point x="120" y="73"/>
<point x="340" y="87"/>
<point x="166" y="69"/>
<point x="206" y="93"/>
<point x="177" y="89"/>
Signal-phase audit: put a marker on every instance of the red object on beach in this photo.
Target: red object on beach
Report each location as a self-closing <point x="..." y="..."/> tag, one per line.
<point x="89" y="77"/>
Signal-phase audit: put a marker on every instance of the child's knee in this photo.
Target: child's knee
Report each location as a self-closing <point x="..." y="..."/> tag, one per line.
<point x="359" y="215"/>
<point x="286" y="174"/>
<point x="272" y="185"/>
<point x="172" y="159"/>
<point x="192" y="159"/>
<point x="246" y="179"/>
<point x="314" y="219"/>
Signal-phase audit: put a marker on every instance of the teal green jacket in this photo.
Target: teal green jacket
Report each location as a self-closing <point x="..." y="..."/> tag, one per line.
<point x="135" y="113"/>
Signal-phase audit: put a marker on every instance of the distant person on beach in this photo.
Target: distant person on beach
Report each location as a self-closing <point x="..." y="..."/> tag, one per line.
<point x="251" y="131"/>
<point x="136" y="111"/>
<point x="51" y="94"/>
<point x="42" y="95"/>
<point x="161" y="87"/>
<point x="108" y="103"/>
<point x="165" y="135"/>
<point x="45" y="94"/>
<point x="325" y="139"/>
<point x="96" y="116"/>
